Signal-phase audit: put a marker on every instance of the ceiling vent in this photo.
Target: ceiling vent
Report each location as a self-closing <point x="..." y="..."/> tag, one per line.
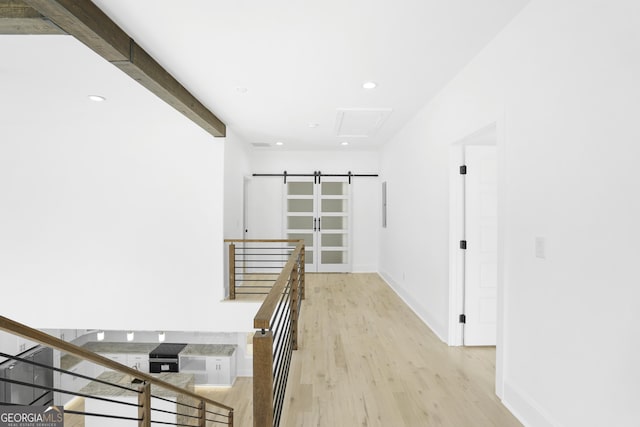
<point x="261" y="144"/>
<point x="360" y="122"/>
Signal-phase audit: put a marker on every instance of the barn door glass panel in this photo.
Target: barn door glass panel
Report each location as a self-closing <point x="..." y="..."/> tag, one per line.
<point x="333" y="205"/>
<point x="301" y="220"/>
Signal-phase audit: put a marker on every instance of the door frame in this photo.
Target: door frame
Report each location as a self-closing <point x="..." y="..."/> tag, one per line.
<point x="491" y="134"/>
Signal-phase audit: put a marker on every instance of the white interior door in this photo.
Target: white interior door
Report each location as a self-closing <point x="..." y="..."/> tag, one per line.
<point x="481" y="234"/>
<point x="318" y="213"/>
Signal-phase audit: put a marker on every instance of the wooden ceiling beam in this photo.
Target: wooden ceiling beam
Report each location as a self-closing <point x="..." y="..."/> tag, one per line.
<point x="18" y="18"/>
<point x="86" y="22"/>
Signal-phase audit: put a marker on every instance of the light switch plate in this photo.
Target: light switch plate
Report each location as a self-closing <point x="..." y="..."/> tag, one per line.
<point x="541" y="248"/>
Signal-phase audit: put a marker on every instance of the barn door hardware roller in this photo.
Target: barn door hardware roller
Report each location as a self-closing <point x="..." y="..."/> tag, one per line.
<point x="317" y="175"/>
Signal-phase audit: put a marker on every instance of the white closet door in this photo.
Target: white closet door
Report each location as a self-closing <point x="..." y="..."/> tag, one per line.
<point x="318" y="213"/>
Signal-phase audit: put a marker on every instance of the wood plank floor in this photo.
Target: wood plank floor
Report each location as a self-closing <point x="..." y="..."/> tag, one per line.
<point x="366" y="359"/>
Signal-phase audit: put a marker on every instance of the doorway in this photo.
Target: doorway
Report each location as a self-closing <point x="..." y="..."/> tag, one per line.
<point x="474" y="240"/>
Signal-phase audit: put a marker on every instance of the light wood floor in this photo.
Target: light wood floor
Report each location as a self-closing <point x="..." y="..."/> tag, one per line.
<point x="365" y="359"/>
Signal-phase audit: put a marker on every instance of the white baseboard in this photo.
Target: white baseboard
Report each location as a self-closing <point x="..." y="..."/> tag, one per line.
<point x="416" y="307"/>
<point x="364" y="268"/>
<point x="525" y="409"/>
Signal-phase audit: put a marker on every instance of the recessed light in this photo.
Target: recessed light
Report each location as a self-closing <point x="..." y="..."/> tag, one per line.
<point x="279" y="143"/>
<point x="130" y="336"/>
<point x="97" y="98"/>
<point x="100" y="335"/>
<point x="161" y="336"/>
<point x="369" y="85"/>
<point x="242" y="89"/>
<point x="344" y="143"/>
<point x="313" y="125"/>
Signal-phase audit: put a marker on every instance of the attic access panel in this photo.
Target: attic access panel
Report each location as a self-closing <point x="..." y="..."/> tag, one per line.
<point x="360" y="122"/>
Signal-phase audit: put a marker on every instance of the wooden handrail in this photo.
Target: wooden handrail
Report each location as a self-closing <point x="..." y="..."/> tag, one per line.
<point x="262" y="319"/>
<point x="31" y="334"/>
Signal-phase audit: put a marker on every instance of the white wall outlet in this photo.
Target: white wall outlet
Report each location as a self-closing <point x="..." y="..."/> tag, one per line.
<point x="541" y="248"/>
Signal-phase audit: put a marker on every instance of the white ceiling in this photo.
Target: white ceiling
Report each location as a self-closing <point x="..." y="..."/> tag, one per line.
<point x="304" y="62"/>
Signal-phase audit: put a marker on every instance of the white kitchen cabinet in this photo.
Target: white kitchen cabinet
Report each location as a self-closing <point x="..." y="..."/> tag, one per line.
<point x="208" y="370"/>
<point x="196" y="366"/>
<point x="139" y="361"/>
<point x="13" y="344"/>
<point x="219" y="370"/>
<point x="24" y="344"/>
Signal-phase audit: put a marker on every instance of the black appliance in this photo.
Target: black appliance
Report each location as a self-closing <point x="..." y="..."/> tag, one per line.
<point x="165" y="358"/>
<point x="27" y="373"/>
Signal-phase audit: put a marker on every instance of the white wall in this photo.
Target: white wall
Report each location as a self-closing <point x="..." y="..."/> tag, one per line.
<point x="561" y="83"/>
<point x="236" y="168"/>
<point x="111" y="214"/>
<point x="266" y="214"/>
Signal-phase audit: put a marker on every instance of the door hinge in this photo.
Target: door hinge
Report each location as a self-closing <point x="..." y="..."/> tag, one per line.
<point x="463" y="170"/>
<point x="463" y="244"/>
<point x="463" y="318"/>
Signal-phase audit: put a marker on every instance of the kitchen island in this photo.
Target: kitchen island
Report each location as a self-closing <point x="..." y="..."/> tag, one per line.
<point x="170" y="401"/>
<point x="209" y="364"/>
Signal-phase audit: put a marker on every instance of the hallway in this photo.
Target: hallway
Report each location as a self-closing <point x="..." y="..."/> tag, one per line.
<point x="365" y="359"/>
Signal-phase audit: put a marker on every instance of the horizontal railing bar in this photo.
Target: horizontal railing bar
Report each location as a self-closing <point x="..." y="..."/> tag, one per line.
<point x="173" y="401"/>
<point x="257" y="276"/>
<point x="175" y="413"/>
<point x="261" y="240"/>
<point x="283" y="388"/>
<point x="263" y="317"/>
<point x="242" y="281"/>
<point x="68" y="372"/>
<point x="171" y="424"/>
<point x="241" y="251"/>
<point x="278" y="353"/>
<point x="216" y="413"/>
<point x="276" y="322"/>
<point x="260" y="267"/>
<point x="92" y="414"/>
<point x="259" y="260"/>
<point x="31" y="334"/>
<point x="252" y="293"/>
<point x="249" y="279"/>
<point x="38" y="398"/>
<point x="72" y="393"/>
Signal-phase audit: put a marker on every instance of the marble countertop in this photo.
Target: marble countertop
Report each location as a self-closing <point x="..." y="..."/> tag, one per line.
<point x="95" y="388"/>
<point x="224" y="350"/>
<point x="67" y="361"/>
<point x="120" y="347"/>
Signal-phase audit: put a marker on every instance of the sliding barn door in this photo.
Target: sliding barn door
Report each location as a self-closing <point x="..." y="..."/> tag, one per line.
<point x="318" y="213"/>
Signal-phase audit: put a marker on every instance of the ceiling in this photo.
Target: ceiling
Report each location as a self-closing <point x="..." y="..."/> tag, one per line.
<point x="292" y="71"/>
